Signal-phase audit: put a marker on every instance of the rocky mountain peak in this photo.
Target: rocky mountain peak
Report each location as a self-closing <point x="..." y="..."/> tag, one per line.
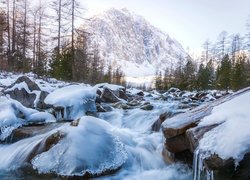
<point x="128" y="40"/>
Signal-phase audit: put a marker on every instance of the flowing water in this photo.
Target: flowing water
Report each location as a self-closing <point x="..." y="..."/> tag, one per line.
<point x="133" y="128"/>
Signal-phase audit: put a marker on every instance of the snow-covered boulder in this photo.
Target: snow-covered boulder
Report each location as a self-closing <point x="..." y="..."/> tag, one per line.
<point x="13" y="115"/>
<point x="72" y="102"/>
<point x="23" y="90"/>
<point x="87" y="149"/>
<point x="217" y="133"/>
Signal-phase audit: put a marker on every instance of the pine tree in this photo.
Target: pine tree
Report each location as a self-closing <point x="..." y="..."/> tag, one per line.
<point x="202" y="78"/>
<point x="188" y="80"/>
<point x="158" y="80"/>
<point x="239" y="76"/>
<point x="210" y="74"/>
<point x="224" y="73"/>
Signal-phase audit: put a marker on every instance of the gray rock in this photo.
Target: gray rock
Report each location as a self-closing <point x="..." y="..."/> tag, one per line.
<point x="147" y="107"/>
<point x="25" y="98"/>
<point x="123" y="95"/>
<point x="41" y="104"/>
<point x="109" y="96"/>
<point x="134" y="102"/>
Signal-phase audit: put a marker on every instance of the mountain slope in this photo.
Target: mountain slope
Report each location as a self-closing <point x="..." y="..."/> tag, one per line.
<point x="129" y="41"/>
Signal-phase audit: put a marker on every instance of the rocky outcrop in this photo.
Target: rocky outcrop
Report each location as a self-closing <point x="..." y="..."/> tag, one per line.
<point x="23" y="90"/>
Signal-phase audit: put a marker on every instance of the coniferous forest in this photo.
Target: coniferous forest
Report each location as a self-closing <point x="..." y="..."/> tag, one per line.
<point x="43" y="38"/>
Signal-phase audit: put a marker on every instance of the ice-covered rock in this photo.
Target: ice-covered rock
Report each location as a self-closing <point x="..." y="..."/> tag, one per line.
<point x="13" y="115"/>
<point x="72" y="102"/>
<point x="23" y="151"/>
<point x="88" y="149"/>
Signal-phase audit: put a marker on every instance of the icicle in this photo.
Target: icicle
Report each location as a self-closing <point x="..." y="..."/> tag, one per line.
<point x="198" y="166"/>
<point x="59" y="115"/>
<point x="65" y="115"/>
<point x="210" y="175"/>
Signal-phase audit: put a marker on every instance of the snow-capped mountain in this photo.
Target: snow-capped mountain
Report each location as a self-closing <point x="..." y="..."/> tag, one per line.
<point x="127" y="40"/>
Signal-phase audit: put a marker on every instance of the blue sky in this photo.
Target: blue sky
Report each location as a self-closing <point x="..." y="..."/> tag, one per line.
<point x="191" y="22"/>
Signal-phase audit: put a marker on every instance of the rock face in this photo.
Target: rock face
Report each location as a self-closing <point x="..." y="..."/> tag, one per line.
<point x="23" y="90"/>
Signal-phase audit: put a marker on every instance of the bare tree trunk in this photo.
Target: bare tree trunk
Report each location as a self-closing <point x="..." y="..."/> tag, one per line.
<point x="39" y="34"/>
<point x="24" y="28"/>
<point x="14" y="28"/>
<point x="59" y="27"/>
<point x="72" y="40"/>
<point x="25" y="64"/>
<point x="8" y="30"/>
<point x="34" y="44"/>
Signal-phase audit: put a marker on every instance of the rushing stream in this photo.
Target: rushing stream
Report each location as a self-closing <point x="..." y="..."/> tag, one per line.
<point x="132" y="127"/>
<point x="144" y="147"/>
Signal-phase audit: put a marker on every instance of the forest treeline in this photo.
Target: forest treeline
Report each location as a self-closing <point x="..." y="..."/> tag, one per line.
<point x="42" y="37"/>
<point x="224" y="64"/>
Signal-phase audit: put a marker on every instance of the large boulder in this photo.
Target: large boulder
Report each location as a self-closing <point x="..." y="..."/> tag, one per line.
<point x="88" y="149"/>
<point x="23" y="90"/>
<point x="204" y="133"/>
